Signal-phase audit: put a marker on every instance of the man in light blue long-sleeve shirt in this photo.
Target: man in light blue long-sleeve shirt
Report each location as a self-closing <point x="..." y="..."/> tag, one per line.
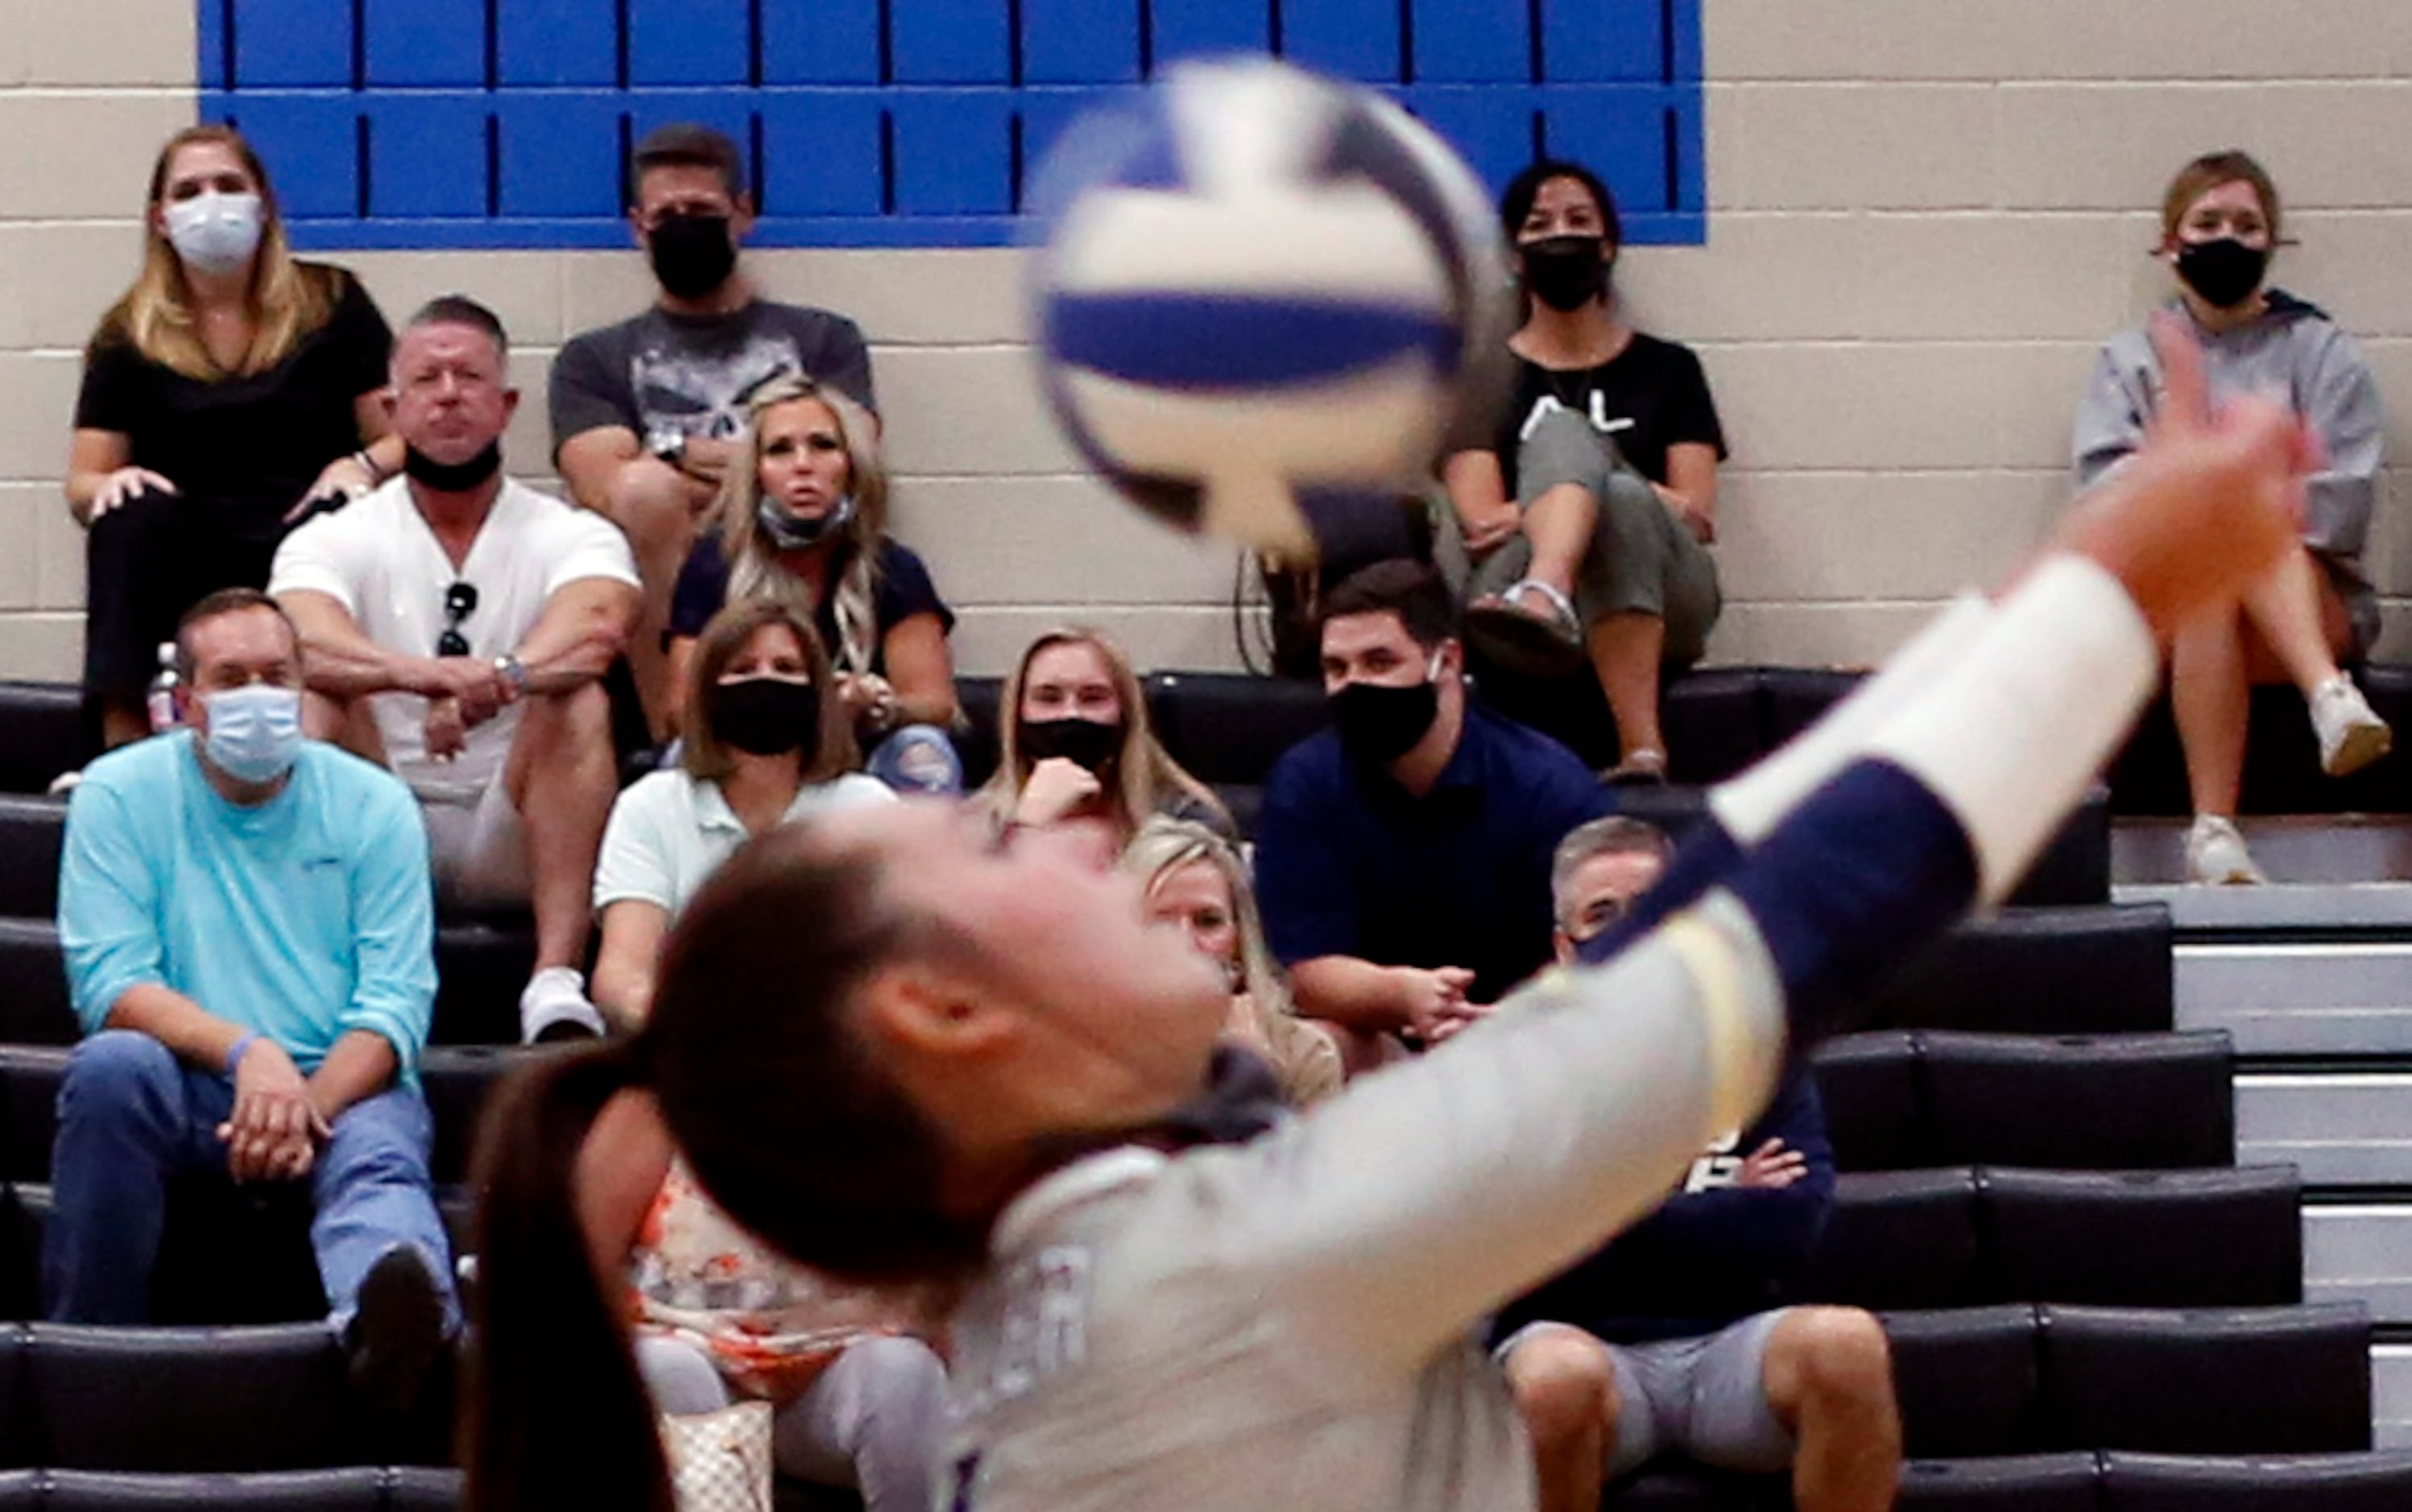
<point x="248" y="924"/>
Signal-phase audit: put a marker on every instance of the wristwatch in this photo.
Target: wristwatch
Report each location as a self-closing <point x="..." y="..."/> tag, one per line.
<point x="511" y="669"/>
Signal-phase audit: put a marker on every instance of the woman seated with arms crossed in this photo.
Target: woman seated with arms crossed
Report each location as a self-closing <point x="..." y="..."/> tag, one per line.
<point x="1590" y="517"/>
<point x="765" y="746"/>
<point x="1074" y="743"/>
<point x="718" y="1318"/>
<point x="2220" y="222"/>
<point x="805" y="524"/>
<point x="1195" y="879"/>
<point x="231" y="384"/>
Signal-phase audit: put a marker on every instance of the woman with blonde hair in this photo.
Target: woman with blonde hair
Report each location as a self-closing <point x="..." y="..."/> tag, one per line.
<point x="804" y="522"/>
<point x="2221" y="225"/>
<point x="1194" y="879"/>
<point x="1074" y="743"/>
<point x="232" y="385"/>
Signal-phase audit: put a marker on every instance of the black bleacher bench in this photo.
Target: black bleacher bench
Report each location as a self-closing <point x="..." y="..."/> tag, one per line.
<point x="1903" y="1099"/>
<point x="1977" y="1236"/>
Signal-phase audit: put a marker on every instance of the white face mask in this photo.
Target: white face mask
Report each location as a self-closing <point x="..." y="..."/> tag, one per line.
<point x="214" y="233"/>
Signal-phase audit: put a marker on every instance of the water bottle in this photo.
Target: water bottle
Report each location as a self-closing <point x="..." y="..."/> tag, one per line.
<point x="161" y="700"/>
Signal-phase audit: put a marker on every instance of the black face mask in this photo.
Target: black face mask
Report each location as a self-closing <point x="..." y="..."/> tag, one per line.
<point x="453" y="477"/>
<point x="767" y="716"/>
<point x="1378" y="725"/>
<point x="692" y="255"/>
<point x="1086" y="743"/>
<point x="2224" y="272"/>
<point x="1567" y="272"/>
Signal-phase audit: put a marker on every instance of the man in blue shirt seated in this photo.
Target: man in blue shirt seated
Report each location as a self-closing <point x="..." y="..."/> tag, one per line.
<point x="1403" y="856"/>
<point x="1674" y="1338"/>
<point x="249" y="936"/>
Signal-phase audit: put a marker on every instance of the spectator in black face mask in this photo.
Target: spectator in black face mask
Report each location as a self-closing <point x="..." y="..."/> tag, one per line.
<point x="1590" y="516"/>
<point x="1403" y="856"/>
<point x="1074" y="745"/>
<point x="646" y="413"/>
<point x="765" y="743"/>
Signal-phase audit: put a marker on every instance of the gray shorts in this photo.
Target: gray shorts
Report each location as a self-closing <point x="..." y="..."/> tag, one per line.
<point x="1704" y="1398"/>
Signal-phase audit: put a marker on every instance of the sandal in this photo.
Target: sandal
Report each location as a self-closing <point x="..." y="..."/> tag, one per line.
<point x="1507" y="633"/>
<point x="1644" y="766"/>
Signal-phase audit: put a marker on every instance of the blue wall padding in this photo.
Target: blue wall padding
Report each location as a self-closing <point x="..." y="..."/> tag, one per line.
<point x="820" y="42"/>
<point x="1080" y="42"/>
<point x="1353" y="38"/>
<point x="689" y="42"/>
<point x="560" y="153"/>
<point x="904" y="122"/>
<point x="557" y="42"/>
<point x="950" y="42"/>
<point x="426" y="42"/>
<point x="1472" y="41"/>
<point x="954" y="152"/>
<point x="427" y="155"/>
<point x="292" y="44"/>
<point x="820" y="154"/>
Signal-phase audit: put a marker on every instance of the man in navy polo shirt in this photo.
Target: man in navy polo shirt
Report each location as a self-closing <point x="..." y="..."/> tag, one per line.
<point x="1402" y="858"/>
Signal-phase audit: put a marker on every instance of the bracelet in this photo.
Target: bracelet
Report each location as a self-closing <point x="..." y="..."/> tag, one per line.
<point x="235" y="1054"/>
<point x="369" y="466"/>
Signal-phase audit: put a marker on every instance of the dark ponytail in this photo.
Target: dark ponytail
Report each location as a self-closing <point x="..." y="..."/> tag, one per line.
<point x="557" y="1415"/>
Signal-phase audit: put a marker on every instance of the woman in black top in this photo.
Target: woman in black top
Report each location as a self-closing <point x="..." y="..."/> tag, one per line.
<point x="1590" y="516"/>
<point x="232" y="384"/>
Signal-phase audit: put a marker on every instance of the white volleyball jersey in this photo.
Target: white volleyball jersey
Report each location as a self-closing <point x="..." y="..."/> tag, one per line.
<point x="1289" y="1323"/>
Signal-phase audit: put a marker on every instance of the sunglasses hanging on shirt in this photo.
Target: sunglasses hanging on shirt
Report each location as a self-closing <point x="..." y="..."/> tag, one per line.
<point x="460" y="602"/>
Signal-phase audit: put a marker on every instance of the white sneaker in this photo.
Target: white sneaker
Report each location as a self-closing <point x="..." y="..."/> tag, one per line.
<point x="553" y="1006"/>
<point x="2351" y="735"/>
<point x="2216" y="853"/>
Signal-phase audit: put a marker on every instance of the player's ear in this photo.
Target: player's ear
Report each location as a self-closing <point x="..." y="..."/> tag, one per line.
<point x="929" y="1011"/>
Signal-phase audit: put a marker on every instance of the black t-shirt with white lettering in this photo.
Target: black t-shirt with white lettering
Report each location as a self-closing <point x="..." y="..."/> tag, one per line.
<point x="244" y="448"/>
<point x="1647" y="398"/>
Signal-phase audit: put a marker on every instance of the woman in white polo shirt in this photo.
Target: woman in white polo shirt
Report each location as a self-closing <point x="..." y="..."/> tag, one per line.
<point x="857" y="1397"/>
<point x="764" y="746"/>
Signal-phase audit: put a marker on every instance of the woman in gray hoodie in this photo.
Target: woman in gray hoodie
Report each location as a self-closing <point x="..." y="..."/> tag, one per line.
<point x="2220" y="222"/>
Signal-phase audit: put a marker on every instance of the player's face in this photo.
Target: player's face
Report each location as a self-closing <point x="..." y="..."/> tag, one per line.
<point x="1070" y="679"/>
<point x="452" y="398"/>
<point x="1112" y="1021"/>
<point x="1601" y="891"/>
<point x="1196" y="897"/>
<point x="803" y="461"/>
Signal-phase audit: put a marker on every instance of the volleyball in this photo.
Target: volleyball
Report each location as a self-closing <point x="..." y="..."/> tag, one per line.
<point x="1266" y="298"/>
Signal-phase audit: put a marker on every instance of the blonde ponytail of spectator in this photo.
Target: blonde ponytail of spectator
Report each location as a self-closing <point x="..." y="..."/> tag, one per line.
<point x="289" y="299"/>
<point x="755" y="570"/>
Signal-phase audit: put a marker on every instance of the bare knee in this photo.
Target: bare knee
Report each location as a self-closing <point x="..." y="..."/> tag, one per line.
<point x="1563" y="1385"/>
<point x="1828" y="1361"/>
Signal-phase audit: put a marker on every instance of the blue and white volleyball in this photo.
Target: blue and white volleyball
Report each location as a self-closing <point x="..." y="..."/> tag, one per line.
<point x="1265" y="297"/>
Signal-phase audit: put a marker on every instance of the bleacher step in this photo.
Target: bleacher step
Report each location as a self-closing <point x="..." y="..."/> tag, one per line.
<point x="2334" y="998"/>
<point x="2360" y="1252"/>
<point x="2321" y="850"/>
<point x="2319" y="908"/>
<point x="2390" y="1395"/>
<point x="2338" y="1129"/>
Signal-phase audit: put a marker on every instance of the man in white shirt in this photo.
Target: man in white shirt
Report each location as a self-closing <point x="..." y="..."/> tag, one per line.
<point x="458" y="626"/>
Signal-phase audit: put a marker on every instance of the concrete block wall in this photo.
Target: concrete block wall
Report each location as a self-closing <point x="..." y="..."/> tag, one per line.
<point x="1926" y="214"/>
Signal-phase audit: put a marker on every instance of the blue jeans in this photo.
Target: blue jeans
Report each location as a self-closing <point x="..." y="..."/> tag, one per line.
<point x="918" y="759"/>
<point x="131" y="1116"/>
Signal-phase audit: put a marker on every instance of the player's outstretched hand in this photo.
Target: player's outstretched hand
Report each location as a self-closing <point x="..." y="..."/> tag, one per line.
<point x="2207" y="504"/>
